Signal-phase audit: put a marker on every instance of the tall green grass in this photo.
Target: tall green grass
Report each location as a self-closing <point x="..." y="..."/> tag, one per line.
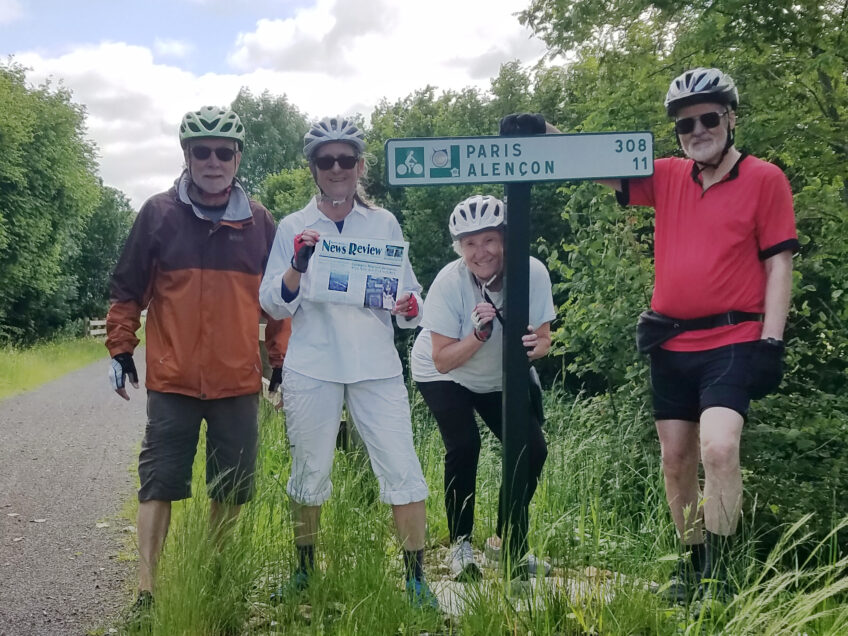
<point x="599" y="515"/>
<point x="25" y="369"/>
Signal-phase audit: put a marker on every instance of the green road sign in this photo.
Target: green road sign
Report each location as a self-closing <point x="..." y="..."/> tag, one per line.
<point x="455" y="160"/>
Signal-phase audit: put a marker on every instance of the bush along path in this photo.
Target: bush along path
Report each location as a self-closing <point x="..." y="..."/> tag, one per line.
<point x="67" y="451"/>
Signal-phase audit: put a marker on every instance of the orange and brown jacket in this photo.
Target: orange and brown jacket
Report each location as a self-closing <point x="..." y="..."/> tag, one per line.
<point x="199" y="282"/>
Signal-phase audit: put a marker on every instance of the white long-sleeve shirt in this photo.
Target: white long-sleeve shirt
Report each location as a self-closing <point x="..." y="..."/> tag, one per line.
<point x="336" y="342"/>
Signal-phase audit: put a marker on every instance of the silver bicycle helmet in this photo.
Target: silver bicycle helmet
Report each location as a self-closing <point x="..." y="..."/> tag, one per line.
<point x="475" y="214"/>
<point x="698" y="86"/>
<point x="211" y="121"/>
<point x="332" y="129"/>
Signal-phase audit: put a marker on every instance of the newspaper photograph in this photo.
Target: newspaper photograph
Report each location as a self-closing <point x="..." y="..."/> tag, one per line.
<point x="357" y="271"/>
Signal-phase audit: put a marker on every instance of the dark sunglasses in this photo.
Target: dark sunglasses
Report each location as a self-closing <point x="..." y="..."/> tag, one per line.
<point x="202" y="153"/>
<point x="687" y="124"/>
<point x="346" y="162"/>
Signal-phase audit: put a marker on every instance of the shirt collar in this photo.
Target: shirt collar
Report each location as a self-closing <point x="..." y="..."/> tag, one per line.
<point x="313" y="214"/>
<point x="238" y="206"/>
<point x="734" y="171"/>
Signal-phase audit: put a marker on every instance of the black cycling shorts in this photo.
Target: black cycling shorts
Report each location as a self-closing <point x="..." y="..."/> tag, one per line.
<point x="686" y="383"/>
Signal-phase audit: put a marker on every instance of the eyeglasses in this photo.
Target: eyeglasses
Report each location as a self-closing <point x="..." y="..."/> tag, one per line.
<point x="202" y="153"/>
<point x="346" y="162"/>
<point x="687" y="124"/>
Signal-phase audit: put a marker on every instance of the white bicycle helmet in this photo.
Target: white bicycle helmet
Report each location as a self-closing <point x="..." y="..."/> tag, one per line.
<point x="698" y="86"/>
<point x="332" y="129"/>
<point x="475" y="214"/>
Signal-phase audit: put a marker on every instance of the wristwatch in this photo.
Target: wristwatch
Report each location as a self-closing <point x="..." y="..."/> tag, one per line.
<point x="773" y="342"/>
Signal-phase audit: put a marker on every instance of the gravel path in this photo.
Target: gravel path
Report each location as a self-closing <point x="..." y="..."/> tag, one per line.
<point x="67" y="456"/>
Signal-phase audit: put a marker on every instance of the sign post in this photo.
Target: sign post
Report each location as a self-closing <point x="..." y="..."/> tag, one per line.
<point x="517" y="162"/>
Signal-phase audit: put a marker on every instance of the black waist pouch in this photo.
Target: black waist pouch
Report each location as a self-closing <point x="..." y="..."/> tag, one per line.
<point x="654" y="328"/>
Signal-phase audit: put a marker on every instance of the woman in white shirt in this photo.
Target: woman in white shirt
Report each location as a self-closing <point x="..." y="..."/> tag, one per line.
<point x="457" y="365"/>
<point x="341" y="354"/>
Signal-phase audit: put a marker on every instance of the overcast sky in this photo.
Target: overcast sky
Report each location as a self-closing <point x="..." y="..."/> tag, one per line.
<point x="139" y="66"/>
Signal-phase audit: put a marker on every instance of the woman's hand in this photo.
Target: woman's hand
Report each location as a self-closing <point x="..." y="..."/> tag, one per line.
<point x="304" y="246"/>
<point x="537" y="341"/>
<point x="406" y="306"/>
<point x="482" y="318"/>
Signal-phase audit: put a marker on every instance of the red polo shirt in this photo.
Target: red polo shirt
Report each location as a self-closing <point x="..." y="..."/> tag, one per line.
<point x="709" y="246"/>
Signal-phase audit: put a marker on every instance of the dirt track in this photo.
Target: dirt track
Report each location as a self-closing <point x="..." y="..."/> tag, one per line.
<point x="67" y="455"/>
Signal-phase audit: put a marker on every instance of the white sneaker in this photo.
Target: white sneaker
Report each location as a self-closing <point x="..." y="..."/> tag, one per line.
<point x="461" y="561"/>
<point x="537" y="567"/>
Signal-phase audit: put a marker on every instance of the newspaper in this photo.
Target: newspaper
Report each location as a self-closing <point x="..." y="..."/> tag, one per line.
<point x="366" y="272"/>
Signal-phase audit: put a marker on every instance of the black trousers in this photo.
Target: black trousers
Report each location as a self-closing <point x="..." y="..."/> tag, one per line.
<point x="453" y="406"/>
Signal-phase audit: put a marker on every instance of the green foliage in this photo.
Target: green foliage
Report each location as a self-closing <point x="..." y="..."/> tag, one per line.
<point x="274" y="130"/>
<point x="25" y="369"/>
<point x="48" y="190"/>
<point x="602" y="523"/>
<point x="606" y="273"/>
<point x="424" y="212"/>
<point x="794" y="449"/>
<point x="789" y="61"/>
<point x="104" y="234"/>
<point x="287" y="191"/>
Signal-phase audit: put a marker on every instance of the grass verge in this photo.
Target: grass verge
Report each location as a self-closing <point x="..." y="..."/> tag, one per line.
<point x="599" y="515"/>
<point x="25" y="369"/>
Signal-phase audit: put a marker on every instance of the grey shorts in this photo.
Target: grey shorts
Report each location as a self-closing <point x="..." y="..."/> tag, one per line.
<point x="170" y="443"/>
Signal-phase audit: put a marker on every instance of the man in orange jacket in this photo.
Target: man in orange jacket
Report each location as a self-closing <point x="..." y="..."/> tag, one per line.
<point x="194" y="259"/>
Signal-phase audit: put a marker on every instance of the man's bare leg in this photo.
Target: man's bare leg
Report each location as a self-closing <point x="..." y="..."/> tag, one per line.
<point x="152" y="523"/>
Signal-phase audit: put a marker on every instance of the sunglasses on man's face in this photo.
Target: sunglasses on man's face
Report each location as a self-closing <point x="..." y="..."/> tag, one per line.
<point x="202" y="153"/>
<point x="687" y="124"/>
<point x="346" y="162"/>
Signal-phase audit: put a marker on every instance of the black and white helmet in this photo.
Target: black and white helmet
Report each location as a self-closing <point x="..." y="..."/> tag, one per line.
<point x="475" y="214"/>
<point x="698" y="86"/>
<point x="332" y="129"/>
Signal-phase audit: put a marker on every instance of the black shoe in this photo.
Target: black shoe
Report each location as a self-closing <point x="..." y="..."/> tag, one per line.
<point x="682" y="587"/>
<point x="716" y="591"/>
<point x="713" y="596"/>
<point x="138" y="616"/>
<point x="714" y="585"/>
<point x="144" y="602"/>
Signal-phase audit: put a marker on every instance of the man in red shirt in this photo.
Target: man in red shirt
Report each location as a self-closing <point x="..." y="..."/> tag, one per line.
<point x="724" y="238"/>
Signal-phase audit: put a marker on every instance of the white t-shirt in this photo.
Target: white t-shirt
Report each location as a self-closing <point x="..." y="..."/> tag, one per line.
<point x="447" y="311"/>
<point x="335" y="342"/>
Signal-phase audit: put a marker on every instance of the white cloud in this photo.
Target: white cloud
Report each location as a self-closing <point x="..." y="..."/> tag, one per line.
<point x="134" y="108"/>
<point x="335" y="57"/>
<point x="172" y="48"/>
<point x="10" y="11"/>
<point x="353" y="52"/>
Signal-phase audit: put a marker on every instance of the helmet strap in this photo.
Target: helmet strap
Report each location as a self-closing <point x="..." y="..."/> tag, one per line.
<point x="496" y="278"/>
<point x="728" y="144"/>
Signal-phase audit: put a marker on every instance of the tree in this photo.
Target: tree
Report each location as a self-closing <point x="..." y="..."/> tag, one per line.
<point x="102" y="239"/>
<point x="424" y="212"/>
<point x="287" y="191"/>
<point x="274" y="131"/>
<point x="48" y="189"/>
